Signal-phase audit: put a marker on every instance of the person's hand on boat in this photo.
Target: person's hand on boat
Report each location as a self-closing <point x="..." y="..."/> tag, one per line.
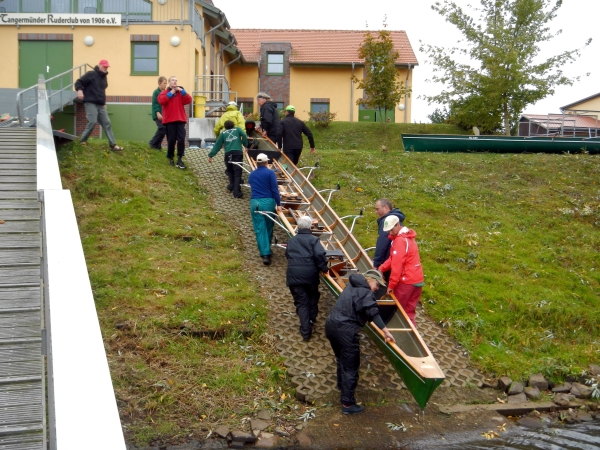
<point x="278" y="208"/>
<point x="209" y="160"/>
<point x="388" y="336"/>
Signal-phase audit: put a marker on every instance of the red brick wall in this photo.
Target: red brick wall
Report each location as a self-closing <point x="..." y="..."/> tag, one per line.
<point x="277" y="86"/>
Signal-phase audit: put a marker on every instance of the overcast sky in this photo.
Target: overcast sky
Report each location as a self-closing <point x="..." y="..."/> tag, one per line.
<point x="577" y="18"/>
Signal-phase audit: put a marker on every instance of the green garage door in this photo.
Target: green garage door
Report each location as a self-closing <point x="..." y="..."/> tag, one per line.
<point x="132" y="122"/>
<point x="48" y="58"/>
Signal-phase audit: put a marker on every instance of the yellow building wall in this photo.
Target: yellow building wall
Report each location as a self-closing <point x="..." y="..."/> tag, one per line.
<point x="244" y="81"/>
<point x="335" y="83"/>
<point x="590" y="105"/>
<point x="114" y="45"/>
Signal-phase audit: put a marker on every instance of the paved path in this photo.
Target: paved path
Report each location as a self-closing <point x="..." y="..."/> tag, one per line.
<point x="21" y="365"/>
<point x="312" y="364"/>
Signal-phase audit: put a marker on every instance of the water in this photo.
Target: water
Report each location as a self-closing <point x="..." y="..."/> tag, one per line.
<point x="585" y="436"/>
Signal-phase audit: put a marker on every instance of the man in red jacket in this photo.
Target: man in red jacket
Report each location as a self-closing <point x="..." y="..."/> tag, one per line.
<point x="406" y="279"/>
<point x="173" y="99"/>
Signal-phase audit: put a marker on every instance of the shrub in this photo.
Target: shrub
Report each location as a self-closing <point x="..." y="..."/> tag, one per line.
<point x="322" y="118"/>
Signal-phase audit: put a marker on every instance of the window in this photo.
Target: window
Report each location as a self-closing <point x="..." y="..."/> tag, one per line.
<point x="246" y="107"/>
<point x="144" y="58"/>
<point x="279" y="105"/>
<point x="275" y="64"/>
<point x="317" y="107"/>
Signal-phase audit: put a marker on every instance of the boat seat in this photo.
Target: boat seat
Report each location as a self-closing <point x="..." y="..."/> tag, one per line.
<point x="334" y="254"/>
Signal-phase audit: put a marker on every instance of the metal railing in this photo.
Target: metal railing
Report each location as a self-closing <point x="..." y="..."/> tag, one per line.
<point x="81" y="399"/>
<point x="215" y="88"/>
<point x="61" y="93"/>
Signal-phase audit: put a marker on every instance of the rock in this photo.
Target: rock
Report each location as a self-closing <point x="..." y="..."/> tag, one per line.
<point x="517" y="398"/>
<point x="595" y="369"/>
<point x="515" y="388"/>
<point x="222" y="432"/>
<point x="531" y="422"/>
<point x="584" y="416"/>
<point x="303" y="440"/>
<point x="300" y="426"/>
<point x="257" y="424"/>
<point x="282" y="432"/>
<point x="264" y="414"/>
<point x="213" y="444"/>
<point x="489" y="384"/>
<point x="267" y="440"/>
<point x="236" y="444"/>
<point x="241" y="436"/>
<point x="192" y="445"/>
<point x="504" y="383"/>
<point x="581" y="390"/>
<point x="564" y="388"/>
<point x="569" y="416"/>
<point x="531" y="392"/>
<point x="563" y="399"/>
<point x="538" y="381"/>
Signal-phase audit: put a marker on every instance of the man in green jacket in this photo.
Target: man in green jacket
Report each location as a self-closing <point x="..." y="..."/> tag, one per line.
<point x="156" y="141"/>
<point x="234" y="140"/>
<point x="231" y="113"/>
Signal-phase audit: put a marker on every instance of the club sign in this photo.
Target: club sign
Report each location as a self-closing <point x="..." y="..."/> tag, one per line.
<point x="100" y="20"/>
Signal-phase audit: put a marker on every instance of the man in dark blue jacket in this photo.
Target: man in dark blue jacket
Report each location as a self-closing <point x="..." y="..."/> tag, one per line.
<point x="289" y="135"/>
<point x="306" y="258"/>
<point x="269" y="116"/>
<point x="91" y="89"/>
<point x="384" y="208"/>
<point x="355" y="306"/>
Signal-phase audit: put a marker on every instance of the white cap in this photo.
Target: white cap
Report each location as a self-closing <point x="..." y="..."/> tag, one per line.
<point x="232" y="103"/>
<point x="390" y="222"/>
<point x="262" y="158"/>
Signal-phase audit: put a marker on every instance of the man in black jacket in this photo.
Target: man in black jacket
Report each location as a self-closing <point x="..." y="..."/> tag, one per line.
<point x="91" y="89"/>
<point x="306" y="258"/>
<point x="269" y="116"/>
<point x="354" y="307"/>
<point x="289" y="133"/>
<point x="384" y="208"/>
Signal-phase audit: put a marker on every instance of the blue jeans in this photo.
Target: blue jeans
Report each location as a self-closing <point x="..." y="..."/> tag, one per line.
<point x="263" y="226"/>
<point x="97" y="114"/>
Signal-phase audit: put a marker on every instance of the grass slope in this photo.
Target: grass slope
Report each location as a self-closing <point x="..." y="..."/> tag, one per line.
<point x="183" y="324"/>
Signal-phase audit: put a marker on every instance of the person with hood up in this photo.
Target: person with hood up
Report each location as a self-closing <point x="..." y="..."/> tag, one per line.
<point x="384" y="208"/>
<point x="91" y="89"/>
<point x="306" y="258"/>
<point x="231" y="113"/>
<point x="173" y="101"/>
<point x="355" y="306"/>
<point x="269" y="116"/>
<point x="406" y="279"/>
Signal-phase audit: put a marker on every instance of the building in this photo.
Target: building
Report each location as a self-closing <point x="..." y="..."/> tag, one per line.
<point x="569" y="125"/>
<point x="589" y="106"/>
<point x="191" y="39"/>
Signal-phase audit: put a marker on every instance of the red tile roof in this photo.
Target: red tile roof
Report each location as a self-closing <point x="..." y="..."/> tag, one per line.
<point x="556" y="121"/>
<point x="318" y="46"/>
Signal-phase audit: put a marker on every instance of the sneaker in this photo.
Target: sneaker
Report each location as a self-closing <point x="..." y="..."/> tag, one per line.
<point x="267" y="260"/>
<point x="83" y="144"/>
<point x="352" y="409"/>
<point x="180" y="164"/>
<point x="171" y="162"/>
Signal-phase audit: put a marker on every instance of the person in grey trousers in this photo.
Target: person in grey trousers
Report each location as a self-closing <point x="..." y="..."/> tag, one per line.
<point x="91" y="89"/>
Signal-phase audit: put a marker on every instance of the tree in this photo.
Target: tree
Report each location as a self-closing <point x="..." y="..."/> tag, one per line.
<point x="503" y="44"/>
<point x="439" y="115"/>
<point x="381" y="84"/>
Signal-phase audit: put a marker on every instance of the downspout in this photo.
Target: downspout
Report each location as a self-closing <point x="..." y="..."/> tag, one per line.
<point x="210" y="31"/>
<point x="352" y="94"/>
<point x="406" y="104"/>
<point x="233" y="60"/>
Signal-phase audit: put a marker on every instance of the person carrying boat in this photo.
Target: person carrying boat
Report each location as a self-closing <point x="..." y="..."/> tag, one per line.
<point x="289" y="135"/>
<point x="354" y="307"/>
<point x="406" y="280"/>
<point x="384" y="208"/>
<point x="264" y="197"/>
<point x="269" y="116"/>
<point x="233" y="139"/>
<point x="306" y="258"/>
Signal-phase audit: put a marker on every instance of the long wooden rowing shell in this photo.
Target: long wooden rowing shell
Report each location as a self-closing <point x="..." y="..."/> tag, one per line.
<point x="409" y="355"/>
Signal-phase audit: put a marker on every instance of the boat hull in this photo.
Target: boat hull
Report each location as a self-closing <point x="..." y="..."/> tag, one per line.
<point x="498" y="144"/>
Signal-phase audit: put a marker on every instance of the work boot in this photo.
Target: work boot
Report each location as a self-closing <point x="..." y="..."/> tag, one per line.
<point x="266" y="260"/>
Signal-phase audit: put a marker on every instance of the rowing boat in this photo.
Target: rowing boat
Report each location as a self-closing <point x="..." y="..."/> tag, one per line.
<point x="409" y="355"/>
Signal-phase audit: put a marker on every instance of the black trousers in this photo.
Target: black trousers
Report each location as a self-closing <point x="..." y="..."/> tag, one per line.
<point x="293" y="155"/>
<point x="306" y="301"/>
<point x="156" y="141"/>
<point x="345" y="344"/>
<point x="175" y="134"/>
<point x="234" y="172"/>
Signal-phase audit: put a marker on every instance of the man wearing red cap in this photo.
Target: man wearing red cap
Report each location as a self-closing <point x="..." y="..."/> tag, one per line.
<point x="91" y="89"/>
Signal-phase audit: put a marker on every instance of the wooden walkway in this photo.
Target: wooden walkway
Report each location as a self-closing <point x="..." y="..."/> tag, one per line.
<point x="21" y="364"/>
